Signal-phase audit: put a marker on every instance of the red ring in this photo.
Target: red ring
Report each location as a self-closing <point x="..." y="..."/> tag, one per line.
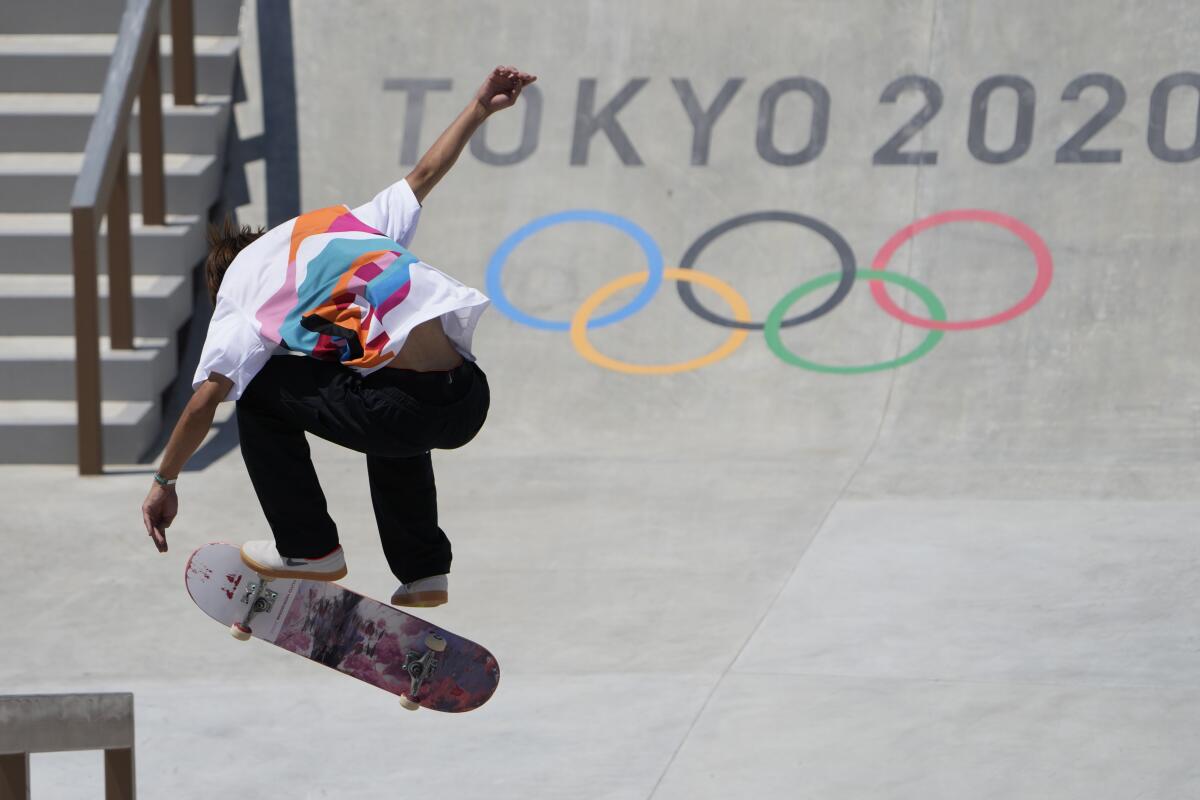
<point x="1041" y="253"/>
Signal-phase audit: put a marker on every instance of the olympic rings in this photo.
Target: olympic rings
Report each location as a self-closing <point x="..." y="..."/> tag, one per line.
<point x="845" y="278"/>
<point x="1041" y="254"/>
<point x="654" y="262"/>
<point x="845" y="254"/>
<point x="775" y="322"/>
<point x="579" y="323"/>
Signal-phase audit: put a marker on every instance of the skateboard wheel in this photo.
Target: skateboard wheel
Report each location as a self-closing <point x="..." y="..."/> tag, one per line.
<point x="435" y="643"/>
<point x="408" y="703"/>
<point x="239" y="632"/>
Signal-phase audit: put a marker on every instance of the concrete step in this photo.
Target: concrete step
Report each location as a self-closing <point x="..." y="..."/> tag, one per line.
<point x="43" y="431"/>
<point x="43" y="182"/>
<point x="43" y="368"/>
<point x="78" y="63"/>
<point x="44" y="305"/>
<point x="41" y="244"/>
<point x="59" y="122"/>
<point x="219" y="17"/>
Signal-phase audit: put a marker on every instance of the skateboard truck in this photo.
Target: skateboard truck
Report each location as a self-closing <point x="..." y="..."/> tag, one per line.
<point x="419" y="667"/>
<point x="258" y="599"/>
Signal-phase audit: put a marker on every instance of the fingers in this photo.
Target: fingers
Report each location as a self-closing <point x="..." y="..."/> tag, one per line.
<point x="511" y="77"/>
<point x="155" y="531"/>
<point x="159" y="535"/>
<point x="160" y="539"/>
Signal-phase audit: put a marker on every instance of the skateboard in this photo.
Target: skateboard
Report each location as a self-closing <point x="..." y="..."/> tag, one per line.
<point x="425" y="665"/>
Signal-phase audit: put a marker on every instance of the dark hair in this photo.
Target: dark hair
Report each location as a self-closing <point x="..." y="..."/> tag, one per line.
<point x="225" y="241"/>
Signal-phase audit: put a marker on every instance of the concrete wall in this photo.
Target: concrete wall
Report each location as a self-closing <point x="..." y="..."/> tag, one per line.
<point x="1086" y="380"/>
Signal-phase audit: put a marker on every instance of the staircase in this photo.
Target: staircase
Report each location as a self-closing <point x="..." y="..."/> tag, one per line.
<point x="53" y="59"/>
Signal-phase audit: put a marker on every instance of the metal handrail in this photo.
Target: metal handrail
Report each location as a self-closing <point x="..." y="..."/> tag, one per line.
<point x="56" y="723"/>
<point x="102" y="189"/>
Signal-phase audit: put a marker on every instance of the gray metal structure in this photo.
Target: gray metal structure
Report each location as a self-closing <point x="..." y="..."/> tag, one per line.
<point x="54" y="723"/>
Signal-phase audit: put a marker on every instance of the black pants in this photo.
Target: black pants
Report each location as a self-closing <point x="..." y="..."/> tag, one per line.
<point x="393" y="416"/>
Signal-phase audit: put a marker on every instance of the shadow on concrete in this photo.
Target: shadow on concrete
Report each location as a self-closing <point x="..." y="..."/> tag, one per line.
<point x="280" y="143"/>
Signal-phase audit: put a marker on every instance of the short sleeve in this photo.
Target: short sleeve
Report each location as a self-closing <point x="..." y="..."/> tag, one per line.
<point x="394" y="212"/>
<point x="232" y="348"/>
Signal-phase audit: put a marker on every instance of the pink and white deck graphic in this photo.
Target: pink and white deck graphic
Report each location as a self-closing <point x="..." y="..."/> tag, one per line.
<point x="358" y="636"/>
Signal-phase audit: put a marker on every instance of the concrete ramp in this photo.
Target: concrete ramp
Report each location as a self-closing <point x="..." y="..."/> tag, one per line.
<point x="933" y="540"/>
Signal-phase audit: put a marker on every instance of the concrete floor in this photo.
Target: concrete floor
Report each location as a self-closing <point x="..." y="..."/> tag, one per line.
<point x="974" y="575"/>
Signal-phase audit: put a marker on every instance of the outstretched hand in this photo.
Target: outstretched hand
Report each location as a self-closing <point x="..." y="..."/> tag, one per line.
<point x="502" y="88"/>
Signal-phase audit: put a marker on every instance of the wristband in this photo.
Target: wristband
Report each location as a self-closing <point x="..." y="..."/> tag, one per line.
<point x="161" y="481"/>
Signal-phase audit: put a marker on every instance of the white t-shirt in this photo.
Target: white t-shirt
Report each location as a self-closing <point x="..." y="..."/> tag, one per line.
<point x="335" y="284"/>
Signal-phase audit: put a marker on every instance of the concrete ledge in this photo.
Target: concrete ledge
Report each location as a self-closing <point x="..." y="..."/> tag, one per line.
<point x="41" y="244"/>
<point x="50" y="723"/>
<point x="59" y="122"/>
<point x="219" y="17"/>
<point x="43" y="182"/>
<point x="43" y="431"/>
<point x="79" y="63"/>
<point x="43" y="368"/>
<point x="43" y="305"/>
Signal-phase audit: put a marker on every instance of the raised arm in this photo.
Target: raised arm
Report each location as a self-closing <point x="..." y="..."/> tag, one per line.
<point x="499" y="91"/>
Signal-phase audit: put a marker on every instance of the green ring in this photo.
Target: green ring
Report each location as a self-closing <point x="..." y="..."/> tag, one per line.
<point x="771" y="328"/>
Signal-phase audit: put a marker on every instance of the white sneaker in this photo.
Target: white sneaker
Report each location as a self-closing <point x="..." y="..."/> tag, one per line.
<point x="423" y="593"/>
<point x="262" y="557"/>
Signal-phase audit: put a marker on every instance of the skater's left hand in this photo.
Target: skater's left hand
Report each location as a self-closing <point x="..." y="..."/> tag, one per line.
<point x="158" y="512"/>
<point x="161" y="505"/>
<point x="502" y="88"/>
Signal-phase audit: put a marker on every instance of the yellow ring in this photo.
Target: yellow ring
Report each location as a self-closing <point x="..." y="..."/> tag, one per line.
<point x="741" y="312"/>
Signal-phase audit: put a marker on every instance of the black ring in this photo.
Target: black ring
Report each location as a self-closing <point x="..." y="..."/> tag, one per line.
<point x="688" y="296"/>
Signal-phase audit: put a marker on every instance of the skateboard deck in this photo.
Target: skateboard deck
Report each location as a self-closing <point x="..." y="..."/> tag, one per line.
<point x="379" y="644"/>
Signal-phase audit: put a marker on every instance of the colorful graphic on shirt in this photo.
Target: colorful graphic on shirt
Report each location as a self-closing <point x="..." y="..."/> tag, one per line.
<point x="336" y="312"/>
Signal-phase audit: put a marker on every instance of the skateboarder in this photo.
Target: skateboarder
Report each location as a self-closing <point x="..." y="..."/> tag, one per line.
<point x="328" y="325"/>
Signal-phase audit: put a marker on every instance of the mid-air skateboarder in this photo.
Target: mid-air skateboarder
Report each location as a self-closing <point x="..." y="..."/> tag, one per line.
<point x="328" y="325"/>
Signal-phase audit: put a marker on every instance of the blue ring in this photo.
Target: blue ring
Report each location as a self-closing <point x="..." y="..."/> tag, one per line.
<point x="654" y="262"/>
